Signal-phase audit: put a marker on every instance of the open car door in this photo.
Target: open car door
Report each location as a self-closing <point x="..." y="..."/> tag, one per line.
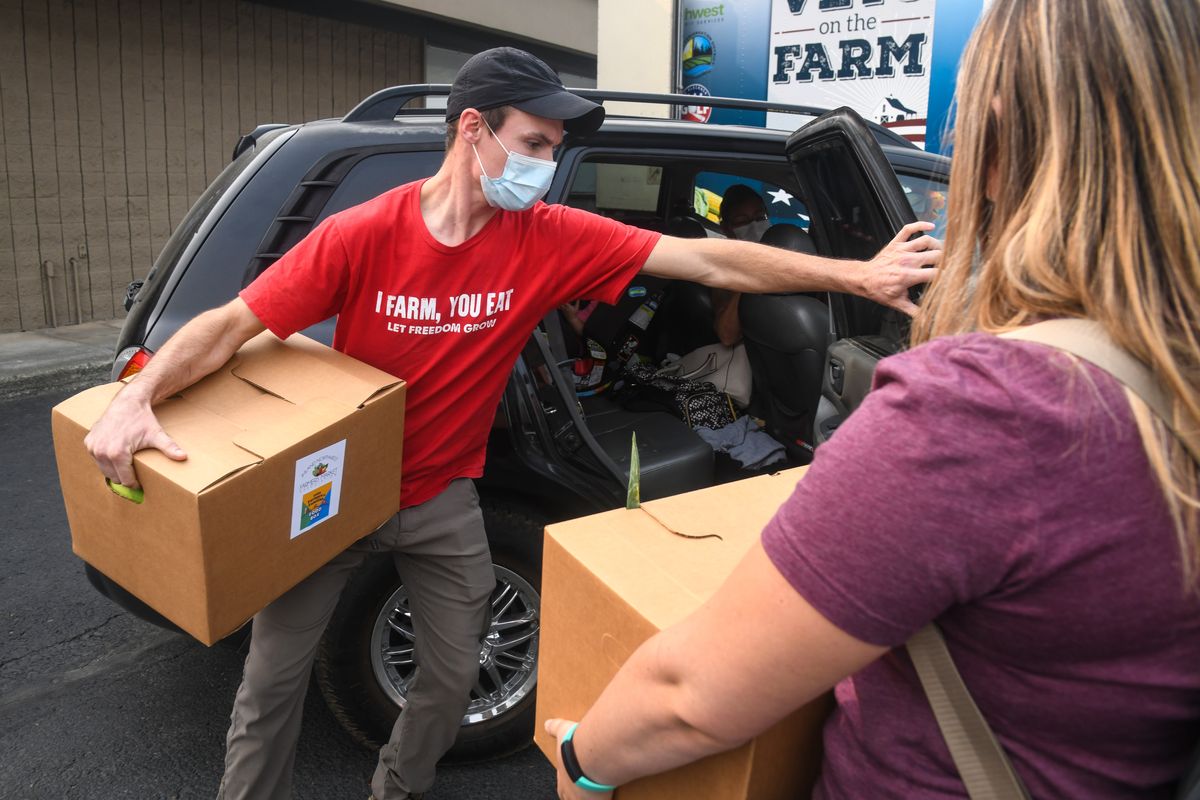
<point x="856" y="206"/>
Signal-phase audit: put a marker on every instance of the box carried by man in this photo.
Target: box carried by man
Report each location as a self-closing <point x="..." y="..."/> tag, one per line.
<point x="293" y="454"/>
<point x="610" y="581"/>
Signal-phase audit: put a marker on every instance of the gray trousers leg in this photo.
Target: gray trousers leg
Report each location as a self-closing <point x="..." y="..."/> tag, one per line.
<point x="260" y="748"/>
<point x="442" y="555"/>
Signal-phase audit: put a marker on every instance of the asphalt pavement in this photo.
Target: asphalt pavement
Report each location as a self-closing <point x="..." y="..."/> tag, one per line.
<point x="95" y="703"/>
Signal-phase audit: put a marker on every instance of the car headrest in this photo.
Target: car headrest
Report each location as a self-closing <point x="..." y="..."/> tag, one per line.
<point x="789" y="237"/>
<point x="685" y="228"/>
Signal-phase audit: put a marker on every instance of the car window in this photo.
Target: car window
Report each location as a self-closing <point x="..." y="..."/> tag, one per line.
<point x="927" y="196"/>
<point x="782" y="205"/>
<point x="626" y="192"/>
<point x="191" y="221"/>
<point x="376" y="174"/>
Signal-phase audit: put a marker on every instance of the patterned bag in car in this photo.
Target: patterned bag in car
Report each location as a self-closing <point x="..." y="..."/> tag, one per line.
<point x="705" y="407"/>
<point x="699" y="404"/>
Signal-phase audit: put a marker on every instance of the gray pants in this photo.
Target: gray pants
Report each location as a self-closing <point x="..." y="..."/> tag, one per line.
<point x="442" y="556"/>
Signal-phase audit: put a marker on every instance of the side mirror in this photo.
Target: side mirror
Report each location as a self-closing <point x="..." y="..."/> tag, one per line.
<point x="131" y="293"/>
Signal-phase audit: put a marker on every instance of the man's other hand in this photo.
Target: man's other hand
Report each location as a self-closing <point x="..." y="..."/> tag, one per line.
<point x="900" y="265"/>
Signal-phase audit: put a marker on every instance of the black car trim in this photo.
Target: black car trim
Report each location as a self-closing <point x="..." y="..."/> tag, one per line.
<point x="304" y="205"/>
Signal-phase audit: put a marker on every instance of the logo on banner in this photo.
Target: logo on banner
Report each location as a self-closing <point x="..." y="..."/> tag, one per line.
<point x="697" y="113"/>
<point x="698" y="55"/>
<point x="872" y="57"/>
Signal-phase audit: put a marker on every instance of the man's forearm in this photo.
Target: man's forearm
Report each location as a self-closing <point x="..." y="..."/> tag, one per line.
<point x="758" y="269"/>
<point x="746" y="267"/>
<point x="197" y="349"/>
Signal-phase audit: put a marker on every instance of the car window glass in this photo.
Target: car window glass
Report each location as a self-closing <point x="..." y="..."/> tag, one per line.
<point x="781" y="203"/>
<point x="620" y="191"/>
<point x="852" y="219"/>
<point x="927" y="196"/>
<point x="376" y="174"/>
<point x="183" y="234"/>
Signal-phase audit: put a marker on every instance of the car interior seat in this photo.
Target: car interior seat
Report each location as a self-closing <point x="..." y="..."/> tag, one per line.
<point x="786" y="336"/>
<point x="685" y="228"/>
<point x="685" y="319"/>
<point x="789" y="237"/>
<point x="673" y="458"/>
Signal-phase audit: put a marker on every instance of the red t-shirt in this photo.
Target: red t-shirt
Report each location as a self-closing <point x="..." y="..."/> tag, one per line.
<point x="450" y="321"/>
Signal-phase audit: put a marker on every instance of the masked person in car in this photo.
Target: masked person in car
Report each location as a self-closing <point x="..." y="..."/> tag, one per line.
<point x="1039" y="512"/>
<point x="474" y="248"/>
<point x="744" y="218"/>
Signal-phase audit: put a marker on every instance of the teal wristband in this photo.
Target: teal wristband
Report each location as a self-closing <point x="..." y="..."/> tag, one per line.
<point x="574" y="771"/>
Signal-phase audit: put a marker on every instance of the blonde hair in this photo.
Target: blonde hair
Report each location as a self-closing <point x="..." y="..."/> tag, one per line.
<point x="1075" y="192"/>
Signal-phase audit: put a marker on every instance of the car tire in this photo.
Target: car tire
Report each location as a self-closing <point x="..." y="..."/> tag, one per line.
<point x="363" y="692"/>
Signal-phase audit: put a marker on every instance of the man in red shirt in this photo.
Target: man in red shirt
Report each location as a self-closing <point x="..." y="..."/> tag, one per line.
<point x="441" y="281"/>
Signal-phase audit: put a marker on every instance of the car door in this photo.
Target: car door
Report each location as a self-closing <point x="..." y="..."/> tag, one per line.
<point x="856" y="206"/>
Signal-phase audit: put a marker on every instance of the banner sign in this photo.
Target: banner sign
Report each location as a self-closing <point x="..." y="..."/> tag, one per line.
<point x="724" y="54"/>
<point x="893" y="61"/>
<point x="872" y="56"/>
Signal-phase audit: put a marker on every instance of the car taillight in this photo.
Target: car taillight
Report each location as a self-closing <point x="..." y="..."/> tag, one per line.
<point x="130" y="361"/>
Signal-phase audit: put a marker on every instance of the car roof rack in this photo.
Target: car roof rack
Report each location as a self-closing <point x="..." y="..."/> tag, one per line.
<point x="387" y="104"/>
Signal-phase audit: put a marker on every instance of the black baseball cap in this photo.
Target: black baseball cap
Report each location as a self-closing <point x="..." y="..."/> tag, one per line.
<point x="506" y="76"/>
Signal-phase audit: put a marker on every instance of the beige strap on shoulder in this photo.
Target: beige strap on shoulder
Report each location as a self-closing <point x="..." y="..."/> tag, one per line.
<point x="1088" y="340"/>
<point x="981" y="761"/>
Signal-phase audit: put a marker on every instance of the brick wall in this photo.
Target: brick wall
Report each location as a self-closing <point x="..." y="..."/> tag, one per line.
<point x="118" y="113"/>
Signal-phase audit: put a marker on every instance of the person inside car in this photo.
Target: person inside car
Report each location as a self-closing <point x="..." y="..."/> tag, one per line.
<point x="430" y="281"/>
<point x="744" y="218"/>
<point x="1023" y="500"/>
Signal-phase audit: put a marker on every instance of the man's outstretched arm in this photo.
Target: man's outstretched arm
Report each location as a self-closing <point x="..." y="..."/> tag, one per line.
<point x="756" y="268"/>
<point x="197" y="349"/>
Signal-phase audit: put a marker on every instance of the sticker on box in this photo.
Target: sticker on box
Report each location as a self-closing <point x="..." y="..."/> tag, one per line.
<point x="318" y="487"/>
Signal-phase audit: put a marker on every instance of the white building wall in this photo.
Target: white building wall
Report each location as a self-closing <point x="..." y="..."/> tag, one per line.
<point x="635" y="46"/>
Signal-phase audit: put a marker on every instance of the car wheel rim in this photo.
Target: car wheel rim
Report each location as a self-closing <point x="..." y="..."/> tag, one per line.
<point x="507" y="655"/>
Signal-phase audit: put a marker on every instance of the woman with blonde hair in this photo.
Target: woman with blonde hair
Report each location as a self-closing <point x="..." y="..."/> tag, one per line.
<point x="1021" y="499"/>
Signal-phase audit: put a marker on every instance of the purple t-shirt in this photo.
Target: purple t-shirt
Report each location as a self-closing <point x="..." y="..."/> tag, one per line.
<point x="1001" y="489"/>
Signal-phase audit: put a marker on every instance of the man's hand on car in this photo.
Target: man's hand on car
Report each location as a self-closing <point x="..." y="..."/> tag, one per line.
<point x="127" y="426"/>
<point x="901" y="264"/>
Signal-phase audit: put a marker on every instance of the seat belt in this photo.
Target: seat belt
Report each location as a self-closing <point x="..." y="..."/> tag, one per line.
<point x="558" y="347"/>
<point x="558" y="343"/>
<point x="981" y="761"/>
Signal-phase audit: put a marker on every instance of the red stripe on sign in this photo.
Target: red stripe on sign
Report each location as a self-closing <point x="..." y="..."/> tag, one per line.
<point x="904" y="123"/>
<point x="915" y="137"/>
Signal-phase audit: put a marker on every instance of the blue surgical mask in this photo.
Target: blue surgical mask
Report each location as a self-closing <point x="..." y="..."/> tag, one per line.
<point x="525" y="180"/>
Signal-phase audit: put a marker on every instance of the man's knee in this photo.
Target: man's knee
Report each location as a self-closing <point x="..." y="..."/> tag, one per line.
<point x="451" y="672"/>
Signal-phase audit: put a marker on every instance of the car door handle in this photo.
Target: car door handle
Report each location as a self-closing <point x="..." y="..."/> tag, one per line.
<point x="837" y="372"/>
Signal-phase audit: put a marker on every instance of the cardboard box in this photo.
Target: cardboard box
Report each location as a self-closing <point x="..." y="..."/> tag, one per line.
<point x="612" y="580"/>
<point x="293" y="455"/>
